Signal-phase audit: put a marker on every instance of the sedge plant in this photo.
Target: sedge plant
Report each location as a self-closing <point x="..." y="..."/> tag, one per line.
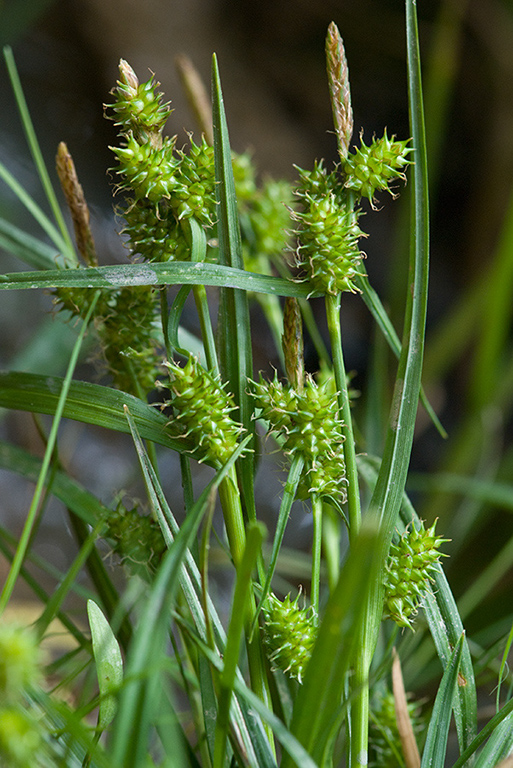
<point x="309" y="677"/>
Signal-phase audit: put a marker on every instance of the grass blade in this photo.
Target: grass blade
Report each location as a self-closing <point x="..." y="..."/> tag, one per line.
<point x="438" y="731"/>
<point x="27" y="248"/>
<point x="109" y="664"/>
<point x="64" y="237"/>
<point x="234" y="332"/>
<point x="166" y="273"/>
<point x="89" y="403"/>
<point x="61" y="398"/>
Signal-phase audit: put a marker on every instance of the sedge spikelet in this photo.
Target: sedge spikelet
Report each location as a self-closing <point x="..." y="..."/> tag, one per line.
<point x="289" y="634"/>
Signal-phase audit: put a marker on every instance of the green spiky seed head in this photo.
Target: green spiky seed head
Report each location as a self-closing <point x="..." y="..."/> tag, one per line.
<point x="138" y="107"/>
<point x="126" y="335"/>
<point x="289" y="634"/>
<point x="408" y="572"/>
<point x="137" y="539"/>
<point x="308" y="424"/>
<point x="327" y="233"/>
<point x="372" y="168"/>
<point x="147" y="171"/>
<point x="202" y="411"/>
<point x="153" y="232"/>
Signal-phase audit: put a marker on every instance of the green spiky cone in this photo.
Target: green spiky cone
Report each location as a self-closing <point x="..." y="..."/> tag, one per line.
<point x="138" y="107"/>
<point x="407" y="577"/>
<point x="202" y="411"/>
<point x="372" y="168"/>
<point x="308" y="424"/>
<point x="327" y="233"/>
<point x="137" y="539"/>
<point x="289" y="635"/>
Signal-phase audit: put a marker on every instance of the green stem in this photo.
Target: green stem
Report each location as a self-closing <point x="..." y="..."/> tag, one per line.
<point x="316" y="552"/>
<point x="207" y="332"/>
<point x="331" y="524"/>
<point x="236" y="532"/>
<point x="233" y="518"/>
<point x="353" y="491"/>
<point x="360" y="711"/>
<point x="359" y="681"/>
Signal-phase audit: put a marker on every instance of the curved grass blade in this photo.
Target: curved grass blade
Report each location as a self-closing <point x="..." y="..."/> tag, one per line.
<point x="61" y="399"/>
<point x="27" y="248"/>
<point x="165" y="273"/>
<point x="435" y="747"/>
<point x="499" y="745"/>
<point x="89" y="403"/>
<point x="485" y="732"/>
<point x="64" y="236"/>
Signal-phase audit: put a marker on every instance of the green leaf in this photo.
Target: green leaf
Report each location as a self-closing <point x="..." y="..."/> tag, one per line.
<point x="89" y="403"/>
<point x="438" y="731"/>
<point x="109" y="664"/>
<point x="27" y="248"/>
<point x="167" y="273"/>
<point x="491" y="729"/>
<point x="234" y="331"/>
<point x="61" y="238"/>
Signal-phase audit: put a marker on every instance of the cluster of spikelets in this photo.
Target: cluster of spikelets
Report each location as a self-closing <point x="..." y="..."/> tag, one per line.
<point x="164" y="183"/>
<point x="289" y="634"/>
<point x="201" y="410"/>
<point x="307" y="423"/>
<point x="408" y="572"/>
<point x="370" y="169"/>
<point x="136" y="539"/>
<point x="327" y="227"/>
<point x="21" y="739"/>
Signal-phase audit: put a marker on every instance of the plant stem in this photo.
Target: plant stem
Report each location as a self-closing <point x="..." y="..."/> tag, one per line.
<point x="316" y="552"/>
<point x="235" y="530"/>
<point x="353" y="491"/>
<point x="359" y="680"/>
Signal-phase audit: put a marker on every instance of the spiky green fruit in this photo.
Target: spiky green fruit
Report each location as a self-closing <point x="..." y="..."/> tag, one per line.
<point x="138" y="107"/>
<point x="408" y="572"/>
<point x="372" y="168"/>
<point x="289" y="634"/>
<point x="137" y="539"/>
<point x="153" y="232"/>
<point x="202" y="411"/>
<point x="307" y="422"/>
<point x="327" y="232"/>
